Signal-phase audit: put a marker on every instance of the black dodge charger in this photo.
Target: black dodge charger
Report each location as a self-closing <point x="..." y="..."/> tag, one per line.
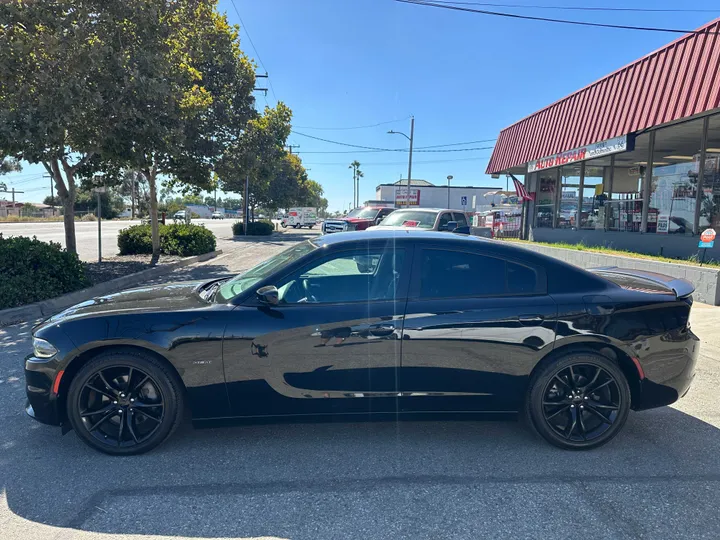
<point x="395" y="324"/>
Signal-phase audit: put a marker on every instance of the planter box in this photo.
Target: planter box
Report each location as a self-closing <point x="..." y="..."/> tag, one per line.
<point x="705" y="279"/>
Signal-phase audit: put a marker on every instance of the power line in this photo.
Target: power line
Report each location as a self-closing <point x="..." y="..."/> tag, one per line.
<point x="383" y="163"/>
<point x="257" y="54"/>
<point x="456" y="144"/>
<point x="393" y="150"/>
<point x="355" y="127"/>
<point x="575" y="8"/>
<point x="376" y="149"/>
<point x="546" y="19"/>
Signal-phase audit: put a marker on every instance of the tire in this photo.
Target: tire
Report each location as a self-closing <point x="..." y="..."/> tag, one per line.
<point x="310" y="226"/>
<point x="151" y="411"/>
<point x="579" y="401"/>
<point x="296" y="226"/>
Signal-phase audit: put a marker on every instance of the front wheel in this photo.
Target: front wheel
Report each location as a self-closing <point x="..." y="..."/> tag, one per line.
<point x="579" y="401"/>
<point x="124" y="402"/>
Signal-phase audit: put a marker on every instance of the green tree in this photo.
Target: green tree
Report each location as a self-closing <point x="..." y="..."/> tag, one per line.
<point x="9" y="165"/>
<point x="61" y="85"/>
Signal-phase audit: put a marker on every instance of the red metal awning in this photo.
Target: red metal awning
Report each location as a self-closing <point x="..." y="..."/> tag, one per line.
<point x="677" y="81"/>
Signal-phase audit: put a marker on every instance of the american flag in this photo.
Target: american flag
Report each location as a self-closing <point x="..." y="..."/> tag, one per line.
<point x="521" y="191"/>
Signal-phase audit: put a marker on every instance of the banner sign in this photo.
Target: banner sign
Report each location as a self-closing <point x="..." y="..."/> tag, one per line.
<point x="402" y="199"/>
<point x="623" y="143"/>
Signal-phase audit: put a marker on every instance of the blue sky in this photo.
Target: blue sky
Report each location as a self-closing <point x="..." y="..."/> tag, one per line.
<point x="348" y="63"/>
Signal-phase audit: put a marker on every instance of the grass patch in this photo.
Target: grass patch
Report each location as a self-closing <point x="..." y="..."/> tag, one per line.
<point x="694" y="260"/>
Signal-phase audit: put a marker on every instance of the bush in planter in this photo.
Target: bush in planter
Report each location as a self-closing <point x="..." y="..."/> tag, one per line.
<point x="183" y="240"/>
<point x="255" y="228"/>
<point x="136" y="240"/>
<point x="32" y="271"/>
<point x="186" y="240"/>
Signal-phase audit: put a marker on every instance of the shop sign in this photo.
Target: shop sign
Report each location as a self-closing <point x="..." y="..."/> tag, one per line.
<point x="599" y="149"/>
<point x="663" y="224"/>
<point x="402" y="199"/>
<point x="637" y="217"/>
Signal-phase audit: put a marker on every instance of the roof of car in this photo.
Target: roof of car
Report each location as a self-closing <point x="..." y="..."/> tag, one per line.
<point x="428" y="210"/>
<point x="389" y="233"/>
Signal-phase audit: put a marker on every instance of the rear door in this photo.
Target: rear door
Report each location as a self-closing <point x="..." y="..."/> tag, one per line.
<point x="475" y="326"/>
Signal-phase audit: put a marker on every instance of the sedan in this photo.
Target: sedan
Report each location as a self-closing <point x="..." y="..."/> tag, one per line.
<point x="378" y="324"/>
<point x="218" y="215"/>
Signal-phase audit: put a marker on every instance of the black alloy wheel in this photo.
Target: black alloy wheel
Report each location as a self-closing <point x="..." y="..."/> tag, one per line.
<point x="124" y="403"/>
<point x="579" y="402"/>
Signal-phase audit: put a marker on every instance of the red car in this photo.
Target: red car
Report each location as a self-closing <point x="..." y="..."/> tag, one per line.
<point x="357" y="220"/>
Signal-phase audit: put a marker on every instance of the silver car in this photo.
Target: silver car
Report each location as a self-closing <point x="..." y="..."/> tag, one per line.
<point x="431" y="219"/>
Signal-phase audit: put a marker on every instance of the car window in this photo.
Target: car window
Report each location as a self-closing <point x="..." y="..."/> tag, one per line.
<point x="521" y="279"/>
<point x="444" y="220"/>
<point x="461" y="219"/>
<point x="410" y="218"/>
<point x="448" y="274"/>
<point x="351" y="276"/>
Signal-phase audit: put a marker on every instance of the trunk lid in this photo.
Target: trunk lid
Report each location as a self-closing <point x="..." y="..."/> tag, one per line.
<point x="644" y="281"/>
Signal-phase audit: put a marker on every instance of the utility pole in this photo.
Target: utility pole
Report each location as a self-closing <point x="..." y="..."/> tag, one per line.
<point x="291" y="146"/>
<point x="246" y="206"/>
<point x="13" y="194"/>
<point x="412" y="136"/>
<point x="52" y="192"/>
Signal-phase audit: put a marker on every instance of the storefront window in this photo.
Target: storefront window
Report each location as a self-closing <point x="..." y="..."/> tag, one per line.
<point x="546" y="198"/>
<point x="674" y="185"/>
<point x="593" y="215"/>
<point x="569" y="196"/>
<point x="624" y="206"/>
<point x="710" y="203"/>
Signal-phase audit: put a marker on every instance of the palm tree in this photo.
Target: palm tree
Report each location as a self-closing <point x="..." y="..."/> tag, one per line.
<point x="357" y="175"/>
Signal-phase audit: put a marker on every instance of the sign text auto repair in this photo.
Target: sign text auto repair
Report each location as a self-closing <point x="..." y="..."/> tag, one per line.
<point x="603" y="148"/>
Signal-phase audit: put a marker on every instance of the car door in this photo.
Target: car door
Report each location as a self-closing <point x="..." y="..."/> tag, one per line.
<point x="475" y="325"/>
<point x="332" y="344"/>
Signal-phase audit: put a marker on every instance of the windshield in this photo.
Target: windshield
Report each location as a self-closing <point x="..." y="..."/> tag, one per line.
<point x="246" y="280"/>
<point x="363" y="213"/>
<point x="410" y="218"/>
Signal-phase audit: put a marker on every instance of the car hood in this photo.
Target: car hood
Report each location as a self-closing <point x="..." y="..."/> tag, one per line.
<point x="167" y="297"/>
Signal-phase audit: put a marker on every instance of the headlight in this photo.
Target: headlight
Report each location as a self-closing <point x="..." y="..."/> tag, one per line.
<point x="43" y="349"/>
<point x="348" y="227"/>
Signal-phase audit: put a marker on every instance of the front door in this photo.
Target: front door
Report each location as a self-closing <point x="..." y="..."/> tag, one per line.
<point x="475" y="327"/>
<point x="332" y="344"/>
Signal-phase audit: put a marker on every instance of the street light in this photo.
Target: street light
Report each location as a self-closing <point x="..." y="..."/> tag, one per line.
<point x="410" y="138"/>
<point x="450" y="177"/>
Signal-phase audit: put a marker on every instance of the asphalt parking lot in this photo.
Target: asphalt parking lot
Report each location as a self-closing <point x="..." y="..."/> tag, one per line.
<point x="660" y="478"/>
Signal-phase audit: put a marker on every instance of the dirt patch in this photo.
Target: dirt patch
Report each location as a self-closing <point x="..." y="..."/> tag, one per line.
<point x="115" y="267"/>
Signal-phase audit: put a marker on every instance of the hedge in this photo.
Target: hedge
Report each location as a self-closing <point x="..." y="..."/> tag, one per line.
<point x="255" y="228"/>
<point x="183" y="240"/>
<point x="32" y="271"/>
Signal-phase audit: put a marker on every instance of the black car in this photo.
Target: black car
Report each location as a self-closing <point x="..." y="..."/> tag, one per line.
<point x="375" y="324"/>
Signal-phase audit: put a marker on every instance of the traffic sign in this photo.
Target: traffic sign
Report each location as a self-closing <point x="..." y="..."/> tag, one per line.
<point x="463" y="201"/>
<point x="708" y="235"/>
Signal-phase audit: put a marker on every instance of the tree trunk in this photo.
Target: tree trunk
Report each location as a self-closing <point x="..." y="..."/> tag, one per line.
<point x="154" y="226"/>
<point x="66" y="193"/>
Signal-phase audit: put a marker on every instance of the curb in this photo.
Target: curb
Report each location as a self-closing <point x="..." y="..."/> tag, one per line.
<point x="49" y="307"/>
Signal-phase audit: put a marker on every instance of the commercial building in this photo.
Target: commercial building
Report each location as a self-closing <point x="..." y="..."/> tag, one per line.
<point x="427" y="195"/>
<point x="632" y="160"/>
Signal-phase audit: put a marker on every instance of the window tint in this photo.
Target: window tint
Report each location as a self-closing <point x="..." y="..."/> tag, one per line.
<point x="447" y="274"/>
<point x="521" y="279"/>
<point x="454" y="273"/>
<point x="461" y="219"/>
<point x="354" y="276"/>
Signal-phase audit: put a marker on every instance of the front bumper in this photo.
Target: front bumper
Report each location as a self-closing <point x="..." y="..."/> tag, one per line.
<point x="42" y="403"/>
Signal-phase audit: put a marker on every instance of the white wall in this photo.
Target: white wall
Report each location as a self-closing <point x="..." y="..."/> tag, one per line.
<point x="437" y="196"/>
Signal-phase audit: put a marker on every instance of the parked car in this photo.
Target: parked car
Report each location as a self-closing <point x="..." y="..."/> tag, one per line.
<point x="358" y="219"/>
<point x="434" y="219"/>
<point x="218" y="215"/>
<point x="485" y="326"/>
<point x="179" y="215"/>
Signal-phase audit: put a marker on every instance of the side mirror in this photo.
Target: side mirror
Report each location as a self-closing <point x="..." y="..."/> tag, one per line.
<point x="268" y="295"/>
<point x="378" y="220"/>
<point x="451" y="226"/>
<point x="462" y="230"/>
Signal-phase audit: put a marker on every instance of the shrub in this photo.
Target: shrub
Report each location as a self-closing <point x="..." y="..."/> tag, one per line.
<point x="183" y="240"/>
<point x="255" y="228"/>
<point x="186" y="240"/>
<point x="32" y="271"/>
<point x="88" y="217"/>
<point x="136" y="240"/>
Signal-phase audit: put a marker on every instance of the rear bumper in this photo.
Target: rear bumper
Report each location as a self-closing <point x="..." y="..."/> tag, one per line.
<point x="669" y="374"/>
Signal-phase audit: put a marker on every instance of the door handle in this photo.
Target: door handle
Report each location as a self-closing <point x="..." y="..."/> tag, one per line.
<point x="531" y="319"/>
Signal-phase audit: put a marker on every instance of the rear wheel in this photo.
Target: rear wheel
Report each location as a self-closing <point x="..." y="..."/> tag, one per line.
<point x="579" y="401"/>
<point x="124" y="402"/>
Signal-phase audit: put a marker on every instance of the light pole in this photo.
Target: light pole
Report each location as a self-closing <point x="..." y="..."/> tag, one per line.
<point x="450" y="177"/>
<point x="410" y="138"/>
